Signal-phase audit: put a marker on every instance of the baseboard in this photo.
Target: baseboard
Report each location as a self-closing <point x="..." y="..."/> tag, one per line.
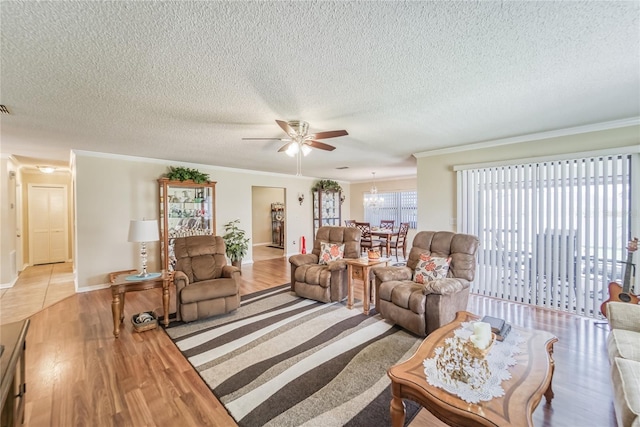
<point x="10" y="284"/>
<point x="92" y="288"/>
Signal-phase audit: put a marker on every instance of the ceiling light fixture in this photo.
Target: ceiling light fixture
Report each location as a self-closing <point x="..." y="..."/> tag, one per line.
<point x="373" y="200"/>
<point x="298" y="149"/>
<point x="46" y="169"/>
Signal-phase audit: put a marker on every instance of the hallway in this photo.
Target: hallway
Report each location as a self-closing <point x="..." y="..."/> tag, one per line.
<point x="37" y="287"/>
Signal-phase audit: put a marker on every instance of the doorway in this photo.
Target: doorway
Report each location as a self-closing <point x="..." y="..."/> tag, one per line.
<point x="268" y="222"/>
<point x="48" y="219"/>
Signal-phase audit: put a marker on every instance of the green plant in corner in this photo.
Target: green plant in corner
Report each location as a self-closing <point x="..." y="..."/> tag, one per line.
<point x="182" y="174"/>
<point x="235" y="240"/>
<point x="327" y="185"/>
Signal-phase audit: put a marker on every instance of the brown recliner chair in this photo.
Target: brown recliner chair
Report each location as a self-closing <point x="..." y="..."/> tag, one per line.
<point x="205" y="285"/>
<point x="423" y="308"/>
<point x="326" y="283"/>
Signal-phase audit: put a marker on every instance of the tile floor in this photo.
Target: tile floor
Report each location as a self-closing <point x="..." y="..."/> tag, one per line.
<point x="37" y="287"/>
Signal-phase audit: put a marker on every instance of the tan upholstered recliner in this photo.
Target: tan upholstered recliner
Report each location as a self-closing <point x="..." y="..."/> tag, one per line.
<point x="326" y="283"/>
<point x="205" y="285"/>
<point x="422" y="308"/>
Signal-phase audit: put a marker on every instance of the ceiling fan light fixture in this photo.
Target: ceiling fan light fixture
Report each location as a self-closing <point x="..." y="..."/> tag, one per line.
<point x="292" y="150"/>
<point x="305" y="149"/>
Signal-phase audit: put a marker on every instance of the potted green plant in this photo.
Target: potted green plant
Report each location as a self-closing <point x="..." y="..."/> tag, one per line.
<point x="326" y="185"/>
<point x="180" y="173"/>
<point x="236" y="242"/>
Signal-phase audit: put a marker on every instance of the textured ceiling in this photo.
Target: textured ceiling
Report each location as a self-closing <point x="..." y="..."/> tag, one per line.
<point x="186" y="81"/>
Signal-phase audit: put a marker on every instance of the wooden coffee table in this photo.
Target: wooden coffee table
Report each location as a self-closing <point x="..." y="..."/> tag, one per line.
<point x="530" y="379"/>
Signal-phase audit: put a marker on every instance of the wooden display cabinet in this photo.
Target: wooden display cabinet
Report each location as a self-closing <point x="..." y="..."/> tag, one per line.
<point x="186" y="209"/>
<point x="277" y="225"/>
<point x="327" y="209"/>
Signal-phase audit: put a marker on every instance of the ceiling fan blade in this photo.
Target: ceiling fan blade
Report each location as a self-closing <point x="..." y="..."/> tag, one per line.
<point x="265" y="139"/>
<point x="284" y="147"/>
<point x="285" y="127"/>
<point x="320" y="145"/>
<point x="328" y="134"/>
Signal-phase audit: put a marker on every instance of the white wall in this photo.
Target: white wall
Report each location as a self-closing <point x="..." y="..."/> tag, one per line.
<point x="112" y="190"/>
<point x="437" y="179"/>
<point x="8" y="177"/>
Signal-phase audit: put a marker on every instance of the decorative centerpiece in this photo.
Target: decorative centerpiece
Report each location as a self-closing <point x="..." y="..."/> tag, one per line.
<point x="482" y="340"/>
<point x="465" y="365"/>
<point x="464" y="359"/>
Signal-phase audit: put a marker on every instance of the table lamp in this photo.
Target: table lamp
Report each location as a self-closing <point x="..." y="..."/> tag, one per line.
<point x="143" y="231"/>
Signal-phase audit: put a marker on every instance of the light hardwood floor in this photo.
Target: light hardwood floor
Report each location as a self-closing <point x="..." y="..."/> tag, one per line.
<point x="78" y="374"/>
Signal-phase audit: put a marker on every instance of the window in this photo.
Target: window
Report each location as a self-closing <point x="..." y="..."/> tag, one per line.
<point x="551" y="233"/>
<point x="401" y="206"/>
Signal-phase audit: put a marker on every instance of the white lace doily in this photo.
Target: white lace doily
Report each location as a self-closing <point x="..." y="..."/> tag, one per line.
<point x="499" y="359"/>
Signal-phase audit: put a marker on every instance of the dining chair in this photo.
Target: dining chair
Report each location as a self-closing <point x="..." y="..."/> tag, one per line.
<point x="387" y="224"/>
<point x="366" y="242"/>
<point x="399" y="241"/>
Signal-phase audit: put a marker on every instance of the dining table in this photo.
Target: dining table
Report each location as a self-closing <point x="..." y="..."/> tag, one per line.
<point x="385" y="233"/>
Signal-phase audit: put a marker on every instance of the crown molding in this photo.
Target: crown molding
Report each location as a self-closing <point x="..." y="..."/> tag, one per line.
<point x="615" y="124"/>
<point x="187" y="164"/>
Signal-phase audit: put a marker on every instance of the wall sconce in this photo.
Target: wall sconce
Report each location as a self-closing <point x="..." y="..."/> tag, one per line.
<point x="300" y="198"/>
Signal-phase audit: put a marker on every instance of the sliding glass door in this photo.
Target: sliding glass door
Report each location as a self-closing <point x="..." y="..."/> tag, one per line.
<point x="552" y="233"/>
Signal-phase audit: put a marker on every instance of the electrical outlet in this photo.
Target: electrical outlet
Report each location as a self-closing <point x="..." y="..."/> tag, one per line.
<point x="293" y="242"/>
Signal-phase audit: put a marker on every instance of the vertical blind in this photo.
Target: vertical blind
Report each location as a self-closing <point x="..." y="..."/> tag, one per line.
<point x="552" y="233"/>
<point x="401" y="206"/>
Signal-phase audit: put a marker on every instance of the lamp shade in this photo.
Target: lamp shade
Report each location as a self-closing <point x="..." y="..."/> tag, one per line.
<point x="145" y="230"/>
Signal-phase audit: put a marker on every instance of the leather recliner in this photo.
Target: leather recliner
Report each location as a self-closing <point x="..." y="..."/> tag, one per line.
<point x="424" y="307"/>
<point x="325" y="282"/>
<point x="205" y="285"/>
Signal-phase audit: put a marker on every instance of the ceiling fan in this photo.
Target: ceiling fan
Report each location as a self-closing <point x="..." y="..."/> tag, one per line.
<point x="301" y="142"/>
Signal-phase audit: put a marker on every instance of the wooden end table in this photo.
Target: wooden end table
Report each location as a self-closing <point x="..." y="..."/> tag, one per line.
<point x="361" y="267"/>
<point x="530" y="379"/>
<point x="120" y="286"/>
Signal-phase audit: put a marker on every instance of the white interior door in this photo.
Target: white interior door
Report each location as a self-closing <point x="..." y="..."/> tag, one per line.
<point x="48" y="240"/>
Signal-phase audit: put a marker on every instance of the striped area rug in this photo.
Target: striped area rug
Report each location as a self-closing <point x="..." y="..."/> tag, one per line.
<point x="280" y="360"/>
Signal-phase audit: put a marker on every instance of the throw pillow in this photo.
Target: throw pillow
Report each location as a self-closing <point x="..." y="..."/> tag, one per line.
<point x="431" y="268"/>
<point x="330" y="252"/>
